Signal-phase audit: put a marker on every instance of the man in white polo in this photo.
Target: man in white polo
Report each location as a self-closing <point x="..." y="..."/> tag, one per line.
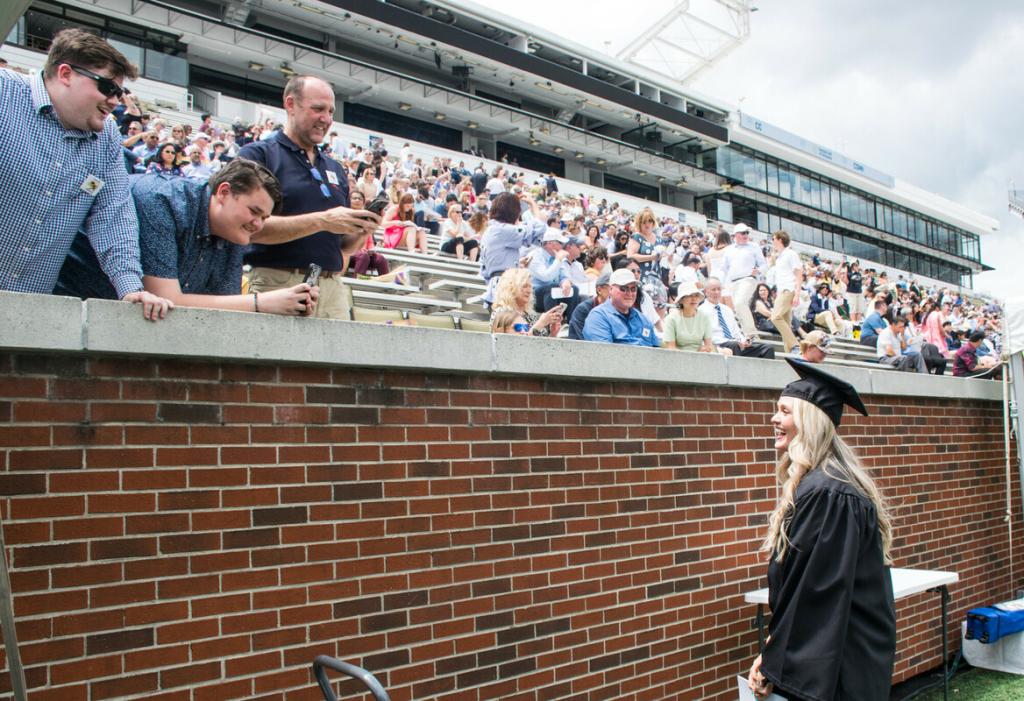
<point x="789" y="276"/>
<point x="742" y="266"/>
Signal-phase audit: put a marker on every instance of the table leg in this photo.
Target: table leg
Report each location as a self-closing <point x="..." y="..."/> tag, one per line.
<point x="943" y="592"/>
<point x="760" y="627"/>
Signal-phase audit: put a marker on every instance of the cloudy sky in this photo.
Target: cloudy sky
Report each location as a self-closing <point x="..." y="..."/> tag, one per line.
<point x="928" y="92"/>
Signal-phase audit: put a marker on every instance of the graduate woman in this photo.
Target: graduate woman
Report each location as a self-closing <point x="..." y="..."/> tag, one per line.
<point x="832" y="635"/>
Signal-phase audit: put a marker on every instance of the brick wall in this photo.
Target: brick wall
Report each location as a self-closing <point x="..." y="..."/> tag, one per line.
<point x="194" y="530"/>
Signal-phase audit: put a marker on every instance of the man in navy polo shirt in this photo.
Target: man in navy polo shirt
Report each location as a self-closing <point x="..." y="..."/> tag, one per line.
<point x="315" y="224"/>
<point x="616" y="321"/>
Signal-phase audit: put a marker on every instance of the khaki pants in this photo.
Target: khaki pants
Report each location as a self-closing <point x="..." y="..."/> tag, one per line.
<point x="331" y="304"/>
<point x="742" y="292"/>
<point x="782" y="317"/>
<point x="826" y="319"/>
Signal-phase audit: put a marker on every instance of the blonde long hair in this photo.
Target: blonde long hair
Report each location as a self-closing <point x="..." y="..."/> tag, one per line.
<point x="816" y="444"/>
<point x="507" y="290"/>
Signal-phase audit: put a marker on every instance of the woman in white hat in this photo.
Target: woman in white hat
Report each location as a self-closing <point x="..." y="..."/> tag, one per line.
<point x="685" y="328"/>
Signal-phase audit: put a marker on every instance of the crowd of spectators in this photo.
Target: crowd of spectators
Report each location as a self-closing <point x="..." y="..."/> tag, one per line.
<point x="278" y="197"/>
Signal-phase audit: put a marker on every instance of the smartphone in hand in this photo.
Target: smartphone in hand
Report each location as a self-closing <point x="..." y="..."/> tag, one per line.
<point x="378" y="204"/>
<point x="313" y="275"/>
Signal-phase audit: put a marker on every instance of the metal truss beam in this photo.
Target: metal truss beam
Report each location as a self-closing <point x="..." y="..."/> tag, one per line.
<point x="690" y="38"/>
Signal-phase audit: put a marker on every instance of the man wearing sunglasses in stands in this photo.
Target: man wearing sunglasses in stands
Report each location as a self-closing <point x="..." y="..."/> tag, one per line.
<point x="62" y="169"/>
<point x="315" y="224"/>
<point x="616" y="321"/>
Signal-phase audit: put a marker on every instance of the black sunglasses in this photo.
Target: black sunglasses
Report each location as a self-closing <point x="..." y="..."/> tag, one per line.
<point x="106" y="86"/>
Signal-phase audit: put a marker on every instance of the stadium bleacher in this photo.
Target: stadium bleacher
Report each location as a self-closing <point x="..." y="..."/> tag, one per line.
<point x="436" y="289"/>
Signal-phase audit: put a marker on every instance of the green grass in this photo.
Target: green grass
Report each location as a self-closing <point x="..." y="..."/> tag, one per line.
<point x="981" y="685"/>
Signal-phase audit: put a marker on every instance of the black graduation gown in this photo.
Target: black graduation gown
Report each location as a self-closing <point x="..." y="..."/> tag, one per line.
<point x="833" y="625"/>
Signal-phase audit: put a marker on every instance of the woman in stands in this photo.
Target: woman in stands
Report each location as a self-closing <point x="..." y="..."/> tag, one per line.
<point x="366" y="258"/>
<point x="932" y="325"/>
<point x="506" y="235"/>
<point x="368" y="185"/>
<point x="619" y="249"/>
<point x="457" y="236"/>
<point x="399" y="227"/>
<point x="761" y="307"/>
<point x="717" y="254"/>
<point x="514" y="293"/>
<point x="686" y="328"/>
<point x="715" y="258"/>
<point x="178" y="136"/>
<point x="641" y="245"/>
<point x="595" y="262"/>
<point x="165" y="160"/>
<point x="833" y="625"/>
<point x="590" y="239"/>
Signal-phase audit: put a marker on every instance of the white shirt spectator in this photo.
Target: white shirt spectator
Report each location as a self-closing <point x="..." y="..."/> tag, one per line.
<point x="718" y="335"/>
<point x="685" y="273"/>
<point x="495" y="186"/>
<point x="740" y="260"/>
<point x="887" y="338"/>
<point x="786" y="265"/>
<point x="448" y="230"/>
<point x="199" y="171"/>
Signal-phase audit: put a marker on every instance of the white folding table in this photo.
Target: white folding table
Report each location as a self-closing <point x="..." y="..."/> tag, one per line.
<point x="905" y="582"/>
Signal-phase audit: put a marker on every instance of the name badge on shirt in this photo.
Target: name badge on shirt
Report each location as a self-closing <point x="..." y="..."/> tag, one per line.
<point x="645" y="333"/>
<point x="92" y="185"/>
<point x="332" y="177"/>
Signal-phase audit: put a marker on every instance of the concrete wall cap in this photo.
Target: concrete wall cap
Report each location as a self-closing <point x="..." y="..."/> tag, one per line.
<point x="48" y="324"/>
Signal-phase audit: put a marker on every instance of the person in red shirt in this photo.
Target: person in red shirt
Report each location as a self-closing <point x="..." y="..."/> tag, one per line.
<point x="965" y="363"/>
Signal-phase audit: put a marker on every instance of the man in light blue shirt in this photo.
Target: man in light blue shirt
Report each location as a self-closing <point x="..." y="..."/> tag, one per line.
<point x="617" y="321"/>
<point x="62" y="165"/>
<point x="548" y="271"/>
<point x="873" y="326"/>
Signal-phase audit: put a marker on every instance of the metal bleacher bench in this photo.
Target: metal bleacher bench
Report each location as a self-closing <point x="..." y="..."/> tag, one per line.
<point x="387" y="300"/>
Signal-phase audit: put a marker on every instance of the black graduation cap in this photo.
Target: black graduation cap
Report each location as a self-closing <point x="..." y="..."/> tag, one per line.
<point x="823" y="390"/>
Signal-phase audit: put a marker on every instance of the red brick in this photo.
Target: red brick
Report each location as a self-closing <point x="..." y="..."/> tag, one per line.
<point x="47" y="507"/>
<point x="121" y="412"/>
<point x="119" y="457"/>
<point x="160" y="479"/>
<point x="121" y="503"/>
<point x="68" y="459"/>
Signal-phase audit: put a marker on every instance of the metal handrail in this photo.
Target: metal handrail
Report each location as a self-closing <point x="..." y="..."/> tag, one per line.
<point x="357" y="673"/>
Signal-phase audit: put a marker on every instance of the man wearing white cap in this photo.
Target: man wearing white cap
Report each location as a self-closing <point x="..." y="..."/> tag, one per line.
<point x="742" y="265"/>
<point x="551" y="284"/>
<point x="616" y="321"/>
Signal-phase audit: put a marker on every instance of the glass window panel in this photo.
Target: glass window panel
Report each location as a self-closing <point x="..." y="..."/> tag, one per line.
<point x="773" y="178"/>
<point x="725" y="210"/>
<point x="132" y="52"/>
<point x="760" y="178"/>
<point x="722" y="157"/>
<point x="785" y="183"/>
<point x="836" y="207"/>
<point x="816" y="193"/>
<point x="805" y="189"/>
<point x="166" y="68"/>
<point x="762" y="221"/>
<point x="920" y="234"/>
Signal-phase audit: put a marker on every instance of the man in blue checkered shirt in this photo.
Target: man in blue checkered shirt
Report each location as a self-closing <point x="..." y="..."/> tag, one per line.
<point x="61" y="169"/>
